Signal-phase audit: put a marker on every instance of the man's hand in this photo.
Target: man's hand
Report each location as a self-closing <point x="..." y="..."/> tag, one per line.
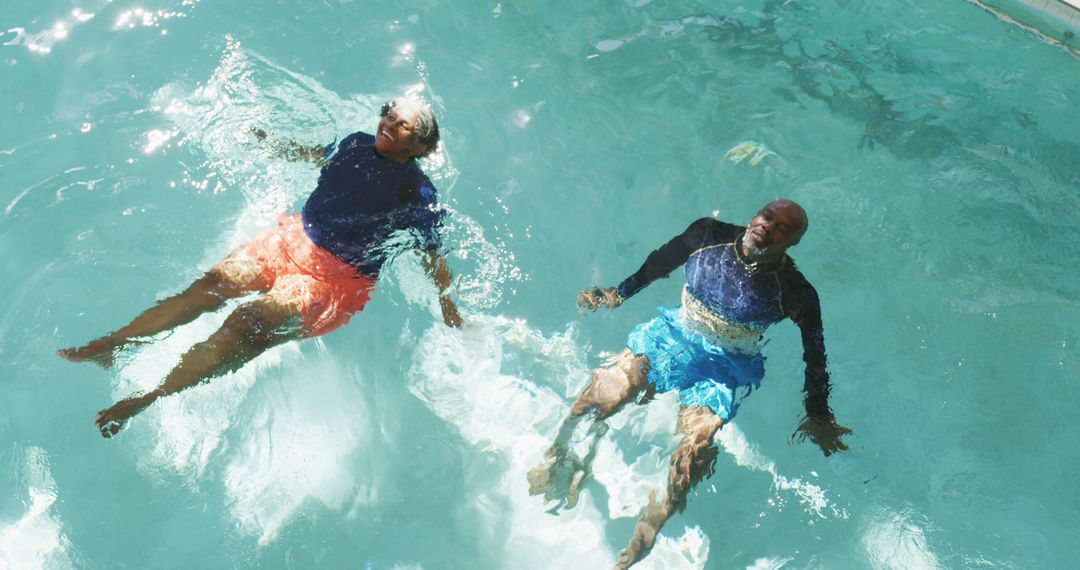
<point x="824" y="432"/>
<point x="597" y="297"/>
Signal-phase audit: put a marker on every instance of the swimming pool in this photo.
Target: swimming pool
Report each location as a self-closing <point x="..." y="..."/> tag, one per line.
<point x="935" y="148"/>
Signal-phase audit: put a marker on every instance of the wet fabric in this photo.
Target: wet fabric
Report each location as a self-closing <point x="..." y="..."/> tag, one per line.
<point x="754" y="295"/>
<point x="700" y="319"/>
<point x="325" y="290"/>
<point x="704" y="374"/>
<point x="363" y="200"/>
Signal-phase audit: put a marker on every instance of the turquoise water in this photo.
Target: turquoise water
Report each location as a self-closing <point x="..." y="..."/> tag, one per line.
<point x="935" y="148"/>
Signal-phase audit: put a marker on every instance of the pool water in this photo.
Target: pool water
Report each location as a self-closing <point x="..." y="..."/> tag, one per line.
<point x="935" y="148"/>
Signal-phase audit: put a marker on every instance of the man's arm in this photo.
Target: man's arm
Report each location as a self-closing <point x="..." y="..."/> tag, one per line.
<point x="659" y="263"/>
<point x="296" y="152"/>
<point x="804" y="308"/>
<point x="435" y="265"/>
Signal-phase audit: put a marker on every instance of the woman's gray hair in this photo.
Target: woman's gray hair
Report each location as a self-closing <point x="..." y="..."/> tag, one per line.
<point x="427" y="128"/>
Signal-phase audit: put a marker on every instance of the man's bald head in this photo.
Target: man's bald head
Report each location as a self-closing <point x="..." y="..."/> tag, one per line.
<point x="776" y="227"/>
<point x="797" y="212"/>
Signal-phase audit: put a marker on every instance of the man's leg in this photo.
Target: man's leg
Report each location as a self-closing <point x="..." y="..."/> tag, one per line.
<point x="693" y="460"/>
<point x="249" y="331"/>
<point x="610" y="388"/>
<point x="233" y="277"/>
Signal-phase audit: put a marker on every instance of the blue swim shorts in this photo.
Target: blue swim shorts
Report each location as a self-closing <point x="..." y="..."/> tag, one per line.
<point x="703" y="373"/>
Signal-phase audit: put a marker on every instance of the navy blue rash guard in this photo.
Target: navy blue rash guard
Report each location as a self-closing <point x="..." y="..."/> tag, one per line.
<point x="753" y="295"/>
<point x="363" y="198"/>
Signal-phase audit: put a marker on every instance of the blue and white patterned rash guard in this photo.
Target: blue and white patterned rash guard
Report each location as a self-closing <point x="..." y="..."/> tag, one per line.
<point x="750" y="295"/>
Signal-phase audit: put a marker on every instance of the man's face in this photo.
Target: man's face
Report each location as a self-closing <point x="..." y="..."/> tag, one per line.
<point x="396" y="135"/>
<point x="778" y="226"/>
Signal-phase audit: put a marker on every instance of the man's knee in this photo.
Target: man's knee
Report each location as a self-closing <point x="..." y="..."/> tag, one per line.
<point x="610" y="388"/>
<point x="695" y="457"/>
<point x="689" y="466"/>
<point x="639" y="366"/>
<point x="700" y="422"/>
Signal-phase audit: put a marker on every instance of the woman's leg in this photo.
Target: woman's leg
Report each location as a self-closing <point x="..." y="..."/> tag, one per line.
<point x="236" y="275"/>
<point x="248" y="332"/>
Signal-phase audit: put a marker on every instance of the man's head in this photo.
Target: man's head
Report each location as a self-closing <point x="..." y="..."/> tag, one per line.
<point x="776" y="227"/>
<point x="407" y="129"/>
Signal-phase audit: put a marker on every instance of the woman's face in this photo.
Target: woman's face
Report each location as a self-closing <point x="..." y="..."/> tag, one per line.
<point x="396" y="135"/>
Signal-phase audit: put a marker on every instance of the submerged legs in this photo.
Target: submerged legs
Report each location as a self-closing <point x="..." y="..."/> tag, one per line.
<point x="249" y="331"/>
<point x="609" y="390"/>
<point x="230" y="279"/>
<point x="693" y="460"/>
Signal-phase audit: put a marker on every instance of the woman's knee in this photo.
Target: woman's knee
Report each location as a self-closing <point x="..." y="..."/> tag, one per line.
<point x="234" y="276"/>
<point x="266" y="320"/>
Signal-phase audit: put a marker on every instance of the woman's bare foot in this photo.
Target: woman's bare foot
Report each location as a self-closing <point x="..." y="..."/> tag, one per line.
<point x="101" y="352"/>
<point x="111" y="420"/>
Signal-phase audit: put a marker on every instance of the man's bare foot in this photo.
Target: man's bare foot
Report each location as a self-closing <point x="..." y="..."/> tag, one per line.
<point x="111" y="420"/>
<point x="542" y="479"/>
<point x="576" y="478"/>
<point x="645" y="532"/>
<point x="99" y="352"/>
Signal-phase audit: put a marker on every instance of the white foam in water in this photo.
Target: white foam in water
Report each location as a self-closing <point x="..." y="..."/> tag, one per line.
<point x="460" y="376"/>
<point x="36" y="540"/>
<point x="280" y="459"/>
<point x="653" y="427"/>
<point x="895" y="541"/>
<point x="770" y="563"/>
<point x="289" y="459"/>
<point x="685" y="552"/>
<point x="811" y="496"/>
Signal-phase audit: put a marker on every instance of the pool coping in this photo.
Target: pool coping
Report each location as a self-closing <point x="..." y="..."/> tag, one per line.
<point x="1056" y="22"/>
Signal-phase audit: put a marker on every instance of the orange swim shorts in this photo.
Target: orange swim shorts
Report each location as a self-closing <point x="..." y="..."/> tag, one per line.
<point x="326" y="290"/>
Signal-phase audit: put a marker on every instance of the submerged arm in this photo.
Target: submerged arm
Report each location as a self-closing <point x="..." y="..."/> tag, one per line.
<point x="659" y="263"/>
<point x="295" y="152"/>
<point x="435" y="265"/>
<point x="819" y="424"/>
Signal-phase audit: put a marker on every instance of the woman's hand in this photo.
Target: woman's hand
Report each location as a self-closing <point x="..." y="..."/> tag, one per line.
<point x="449" y="312"/>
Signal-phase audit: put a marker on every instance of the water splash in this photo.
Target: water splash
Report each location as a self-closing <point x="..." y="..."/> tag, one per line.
<point x="475" y="381"/>
<point x="36" y="540"/>
<point x="812" y="497"/>
<point x="895" y="540"/>
<point x="43" y="42"/>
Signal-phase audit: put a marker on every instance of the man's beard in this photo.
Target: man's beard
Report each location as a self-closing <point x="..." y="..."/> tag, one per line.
<point x="750" y="248"/>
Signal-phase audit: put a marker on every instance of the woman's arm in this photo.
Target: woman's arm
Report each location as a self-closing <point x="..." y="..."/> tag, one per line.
<point x="295" y="152"/>
<point x="435" y="265"/>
